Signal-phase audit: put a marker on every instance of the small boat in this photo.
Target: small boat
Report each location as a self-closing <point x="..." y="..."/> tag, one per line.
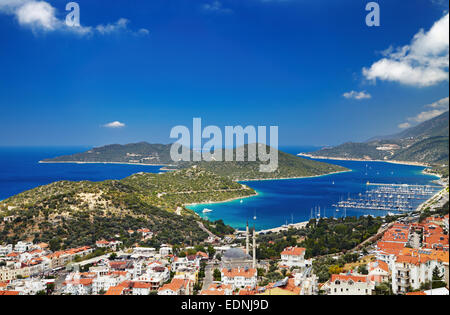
<point x="206" y="210"/>
<point x="241" y="201"/>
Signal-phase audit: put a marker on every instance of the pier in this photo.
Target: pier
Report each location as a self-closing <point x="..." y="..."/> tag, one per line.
<point x="389" y="197"/>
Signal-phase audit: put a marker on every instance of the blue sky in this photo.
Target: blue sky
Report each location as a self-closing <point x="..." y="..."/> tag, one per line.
<point x="314" y="68"/>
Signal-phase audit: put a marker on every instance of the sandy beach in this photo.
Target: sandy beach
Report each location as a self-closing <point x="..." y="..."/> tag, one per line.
<point x="299" y="225"/>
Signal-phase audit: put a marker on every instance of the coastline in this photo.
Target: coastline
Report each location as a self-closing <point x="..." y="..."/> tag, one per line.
<point x="279" y="229"/>
<point x="120" y="163"/>
<point x="258" y="193"/>
<point x="223" y="201"/>
<point x="421" y="207"/>
<point x="362" y="160"/>
<point x="164" y="168"/>
<point x="287" y="178"/>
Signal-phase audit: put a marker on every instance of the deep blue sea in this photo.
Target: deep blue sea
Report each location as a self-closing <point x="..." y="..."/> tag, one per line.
<point x="20" y="169"/>
<point x="278" y="202"/>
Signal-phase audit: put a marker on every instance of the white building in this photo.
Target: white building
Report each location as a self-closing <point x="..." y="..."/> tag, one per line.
<point x="349" y="285"/>
<point x="294" y="257"/>
<point x="415" y="267"/>
<point x="23" y="246"/>
<point x="176" y="287"/>
<point x="165" y="250"/>
<point x="142" y="288"/>
<point x="379" y="271"/>
<point x="239" y="277"/>
<point x="5" y="250"/>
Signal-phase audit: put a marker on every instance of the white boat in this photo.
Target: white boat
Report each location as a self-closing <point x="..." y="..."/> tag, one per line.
<point x="206" y="210"/>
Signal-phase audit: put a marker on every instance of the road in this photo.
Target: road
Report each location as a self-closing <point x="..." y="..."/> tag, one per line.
<point x="209" y="270"/>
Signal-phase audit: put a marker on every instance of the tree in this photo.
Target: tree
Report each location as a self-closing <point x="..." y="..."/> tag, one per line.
<point x="437" y="279"/>
<point x="383" y="289"/>
<point x="335" y="270"/>
<point x="217" y="275"/>
<point x="436" y="274"/>
<point x="113" y="256"/>
<point x="211" y="251"/>
<point x="55" y="244"/>
<point x="362" y="269"/>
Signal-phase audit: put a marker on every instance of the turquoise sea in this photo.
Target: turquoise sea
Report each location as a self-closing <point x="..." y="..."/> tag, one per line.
<point x="278" y="201"/>
<point x="291" y="200"/>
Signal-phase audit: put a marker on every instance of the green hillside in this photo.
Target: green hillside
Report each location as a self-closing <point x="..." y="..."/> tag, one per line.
<point x="429" y="150"/>
<point x="289" y="166"/>
<point x="141" y="152"/>
<point x="424" y="143"/>
<point x="80" y="213"/>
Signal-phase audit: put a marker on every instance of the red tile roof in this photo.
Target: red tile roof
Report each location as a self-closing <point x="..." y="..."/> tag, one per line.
<point x="296" y="251"/>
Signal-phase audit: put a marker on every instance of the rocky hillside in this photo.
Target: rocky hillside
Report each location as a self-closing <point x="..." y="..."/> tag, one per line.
<point x="425" y="143"/>
<point x="79" y="213"/>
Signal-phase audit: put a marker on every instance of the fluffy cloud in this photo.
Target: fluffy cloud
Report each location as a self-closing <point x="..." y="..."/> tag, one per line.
<point x="37" y="14"/>
<point x="404" y="125"/>
<point x="423" y="63"/>
<point x="114" y="124"/>
<point x="357" y="95"/>
<point x="42" y="16"/>
<point x="215" y="7"/>
<point x="438" y="108"/>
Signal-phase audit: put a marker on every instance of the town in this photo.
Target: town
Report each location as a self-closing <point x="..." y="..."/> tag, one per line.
<point x="409" y="255"/>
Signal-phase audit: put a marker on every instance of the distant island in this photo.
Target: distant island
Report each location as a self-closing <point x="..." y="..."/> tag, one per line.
<point x="78" y="213"/>
<point x="289" y="166"/>
<point x="426" y="143"/>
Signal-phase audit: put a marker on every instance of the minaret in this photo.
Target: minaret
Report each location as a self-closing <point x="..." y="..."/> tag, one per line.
<point x="254" y="247"/>
<point x="247" y="241"/>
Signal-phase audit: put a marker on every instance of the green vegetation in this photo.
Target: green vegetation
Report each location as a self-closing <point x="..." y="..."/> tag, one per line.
<point x="324" y="267"/>
<point x="433" y="150"/>
<point x="289" y="166"/>
<point x="329" y="236"/>
<point x="141" y="152"/>
<point x="145" y="153"/>
<point x="440" y="211"/>
<point x="217" y="275"/>
<point x="424" y="143"/>
<point x="79" y="213"/>
<point x="322" y="237"/>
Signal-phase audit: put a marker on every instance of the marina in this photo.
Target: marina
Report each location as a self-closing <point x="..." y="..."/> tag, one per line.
<point x="389" y="197"/>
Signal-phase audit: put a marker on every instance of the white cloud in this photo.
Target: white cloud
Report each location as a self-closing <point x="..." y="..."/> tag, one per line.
<point x="439" y="107"/>
<point x="121" y="24"/>
<point x="216" y="7"/>
<point x="37" y="14"/>
<point x="42" y="16"/>
<point x="404" y="125"/>
<point x="114" y="124"/>
<point x="357" y="95"/>
<point x="423" y="63"/>
<point x="441" y="104"/>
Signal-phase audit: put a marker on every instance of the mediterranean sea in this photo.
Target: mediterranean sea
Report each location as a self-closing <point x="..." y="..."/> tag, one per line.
<point x="278" y="201"/>
<point x="20" y="169"/>
<point x="292" y="200"/>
